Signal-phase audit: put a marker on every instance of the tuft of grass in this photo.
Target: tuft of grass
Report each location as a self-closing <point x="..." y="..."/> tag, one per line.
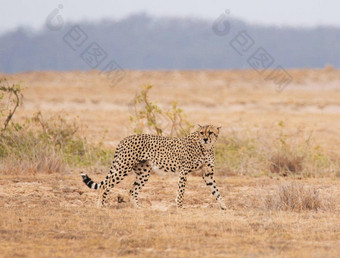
<point x="297" y="197"/>
<point x="285" y="164"/>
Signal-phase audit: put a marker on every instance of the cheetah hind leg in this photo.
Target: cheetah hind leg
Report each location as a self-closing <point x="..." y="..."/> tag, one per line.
<point x="103" y="191"/>
<point x="142" y="171"/>
<point x="112" y="179"/>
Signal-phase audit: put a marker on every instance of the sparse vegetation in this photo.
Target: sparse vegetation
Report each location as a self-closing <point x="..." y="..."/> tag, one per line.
<point x="299" y="155"/>
<point x="148" y="117"/>
<point x="239" y="153"/>
<point x="48" y="145"/>
<point x="297" y="197"/>
<point x="43" y="145"/>
<point x="54" y="144"/>
<point x="254" y="153"/>
<point x="269" y="214"/>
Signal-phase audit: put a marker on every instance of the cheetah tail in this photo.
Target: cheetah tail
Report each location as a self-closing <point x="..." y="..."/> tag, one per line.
<point x="88" y="181"/>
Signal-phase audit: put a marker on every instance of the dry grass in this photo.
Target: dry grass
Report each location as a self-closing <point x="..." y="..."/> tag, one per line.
<point x="297" y="197"/>
<point x="50" y="145"/>
<point x="45" y="161"/>
<point x="239" y="101"/>
<point x="233" y="99"/>
<point x="54" y="215"/>
<point x="284" y="165"/>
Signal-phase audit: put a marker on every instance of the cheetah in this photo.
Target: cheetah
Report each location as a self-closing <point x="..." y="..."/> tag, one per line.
<point x="140" y="153"/>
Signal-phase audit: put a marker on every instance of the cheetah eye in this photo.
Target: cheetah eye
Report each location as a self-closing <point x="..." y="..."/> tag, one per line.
<point x="201" y="133"/>
<point x="210" y="133"/>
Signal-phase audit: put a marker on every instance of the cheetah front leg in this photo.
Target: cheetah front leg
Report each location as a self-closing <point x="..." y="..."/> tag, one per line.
<point x="208" y="176"/>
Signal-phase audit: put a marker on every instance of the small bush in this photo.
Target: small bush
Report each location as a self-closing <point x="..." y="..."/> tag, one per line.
<point x="23" y="150"/>
<point x="148" y="117"/>
<point x="48" y="145"/>
<point x="285" y="160"/>
<point x="285" y="164"/>
<point x="10" y="99"/>
<point x="297" y="155"/>
<point x="42" y="144"/>
<point x="296" y="197"/>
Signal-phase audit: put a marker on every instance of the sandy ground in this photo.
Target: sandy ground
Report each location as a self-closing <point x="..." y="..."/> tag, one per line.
<point x="56" y="216"/>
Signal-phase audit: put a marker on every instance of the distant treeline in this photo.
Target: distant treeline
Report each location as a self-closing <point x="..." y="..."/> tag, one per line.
<point x="144" y="42"/>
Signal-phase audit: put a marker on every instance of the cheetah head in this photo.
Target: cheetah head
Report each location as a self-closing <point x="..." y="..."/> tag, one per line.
<point x="207" y="135"/>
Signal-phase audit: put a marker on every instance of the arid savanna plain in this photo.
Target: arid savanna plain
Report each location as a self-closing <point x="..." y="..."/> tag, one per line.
<point x="277" y="165"/>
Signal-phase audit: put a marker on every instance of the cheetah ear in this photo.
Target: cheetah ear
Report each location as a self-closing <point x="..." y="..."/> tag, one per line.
<point x="199" y="125"/>
<point x="218" y="128"/>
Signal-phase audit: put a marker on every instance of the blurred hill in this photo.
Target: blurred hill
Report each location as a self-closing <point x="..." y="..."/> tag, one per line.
<point x="144" y="42"/>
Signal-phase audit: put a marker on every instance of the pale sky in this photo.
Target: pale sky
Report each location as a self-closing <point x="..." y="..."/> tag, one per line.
<point x="14" y="13"/>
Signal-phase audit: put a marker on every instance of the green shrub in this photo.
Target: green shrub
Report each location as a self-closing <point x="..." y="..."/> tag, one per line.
<point x="49" y="145"/>
<point x="148" y="117"/>
<point x="43" y="145"/>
